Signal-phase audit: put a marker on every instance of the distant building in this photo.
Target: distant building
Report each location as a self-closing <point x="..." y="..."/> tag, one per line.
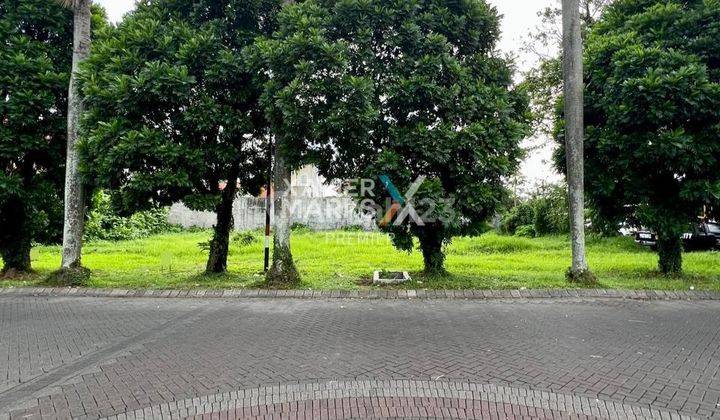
<point x="313" y="202"/>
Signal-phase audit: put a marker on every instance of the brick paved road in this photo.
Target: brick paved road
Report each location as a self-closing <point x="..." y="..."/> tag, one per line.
<point x="92" y="357"/>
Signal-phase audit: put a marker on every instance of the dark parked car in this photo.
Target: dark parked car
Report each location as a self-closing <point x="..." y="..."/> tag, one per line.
<point x="705" y="237"/>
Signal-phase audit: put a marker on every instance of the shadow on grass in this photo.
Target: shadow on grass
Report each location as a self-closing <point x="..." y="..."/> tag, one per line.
<point x="13" y="275"/>
<point x="69" y="277"/>
<point x="240" y="281"/>
<point x="638" y="279"/>
<point x="655" y="279"/>
<point x="452" y="281"/>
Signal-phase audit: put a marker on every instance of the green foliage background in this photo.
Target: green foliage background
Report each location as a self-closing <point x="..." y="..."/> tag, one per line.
<point x="544" y="213"/>
<point x="172" y="110"/>
<point x="652" y="112"/>
<point x="364" y="88"/>
<point x="104" y="223"/>
<point x="35" y="56"/>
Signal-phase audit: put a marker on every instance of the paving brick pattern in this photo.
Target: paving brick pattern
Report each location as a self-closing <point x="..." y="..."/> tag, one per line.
<point x="395" y="398"/>
<point x="37" y="335"/>
<point x="365" y="294"/>
<point x="144" y="353"/>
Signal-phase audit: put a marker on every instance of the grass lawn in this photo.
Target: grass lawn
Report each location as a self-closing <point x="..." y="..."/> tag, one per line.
<point x="346" y="260"/>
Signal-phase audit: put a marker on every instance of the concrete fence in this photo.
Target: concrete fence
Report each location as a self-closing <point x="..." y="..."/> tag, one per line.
<point x="319" y="213"/>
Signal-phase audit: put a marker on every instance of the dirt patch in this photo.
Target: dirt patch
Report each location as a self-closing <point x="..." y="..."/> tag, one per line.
<point x="13" y="274"/>
<point x="364" y="281"/>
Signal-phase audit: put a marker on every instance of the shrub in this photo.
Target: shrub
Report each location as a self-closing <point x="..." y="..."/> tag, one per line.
<point x="526" y="231"/>
<point x="545" y="213"/>
<point x="520" y="215"/>
<point x="551" y="212"/>
<point x="244" y="238"/>
<point x="300" y="228"/>
<point x="103" y="223"/>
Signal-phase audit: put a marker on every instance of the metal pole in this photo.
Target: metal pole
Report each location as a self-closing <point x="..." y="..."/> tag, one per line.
<point x="268" y="205"/>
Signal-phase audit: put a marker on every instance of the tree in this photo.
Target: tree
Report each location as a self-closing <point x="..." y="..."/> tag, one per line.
<point x="402" y="90"/>
<point x="557" y="44"/>
<point x="653" y="77"/>
<point x="573" y="97"/>
<point x="544" y="82"/>
<point x="173" y="112"/>
<point x="283" y="270"/>
<point x="74" y="215"/>
<point x="35" y="58"/>
<point x="563" y="29"/>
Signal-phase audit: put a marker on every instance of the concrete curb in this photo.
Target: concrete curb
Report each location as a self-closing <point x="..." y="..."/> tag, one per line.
<point x="362" y="294"/>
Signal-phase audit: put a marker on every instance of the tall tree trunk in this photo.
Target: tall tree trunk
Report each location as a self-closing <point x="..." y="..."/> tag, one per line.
<point x="219" y="246"/>
<point x="431" y="243"/>
<point x="283" y="270"/>
<point x="74" y="196"/>
<point x="16" y="241"/>
<point x="574" y="135"/>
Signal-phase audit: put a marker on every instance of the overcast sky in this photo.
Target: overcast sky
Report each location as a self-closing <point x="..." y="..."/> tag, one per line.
<point x="519" y="19"/>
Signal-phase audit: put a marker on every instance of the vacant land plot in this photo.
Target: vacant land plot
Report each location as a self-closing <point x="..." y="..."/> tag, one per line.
<point x="346" y="260"/>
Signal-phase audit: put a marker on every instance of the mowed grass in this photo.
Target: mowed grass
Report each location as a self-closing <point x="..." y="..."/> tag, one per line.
<point x="346" y="260"/>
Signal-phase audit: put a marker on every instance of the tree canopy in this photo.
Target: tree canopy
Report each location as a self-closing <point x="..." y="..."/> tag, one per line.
<point x="402" y="89"/>
<point x="544" y="81"/>
<point x="36" y="39"/>
<point x="653" y="115"/>
<point x="173" y="112"/>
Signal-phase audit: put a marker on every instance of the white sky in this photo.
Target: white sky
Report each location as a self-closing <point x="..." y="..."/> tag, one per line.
<point x="519" y="19"/>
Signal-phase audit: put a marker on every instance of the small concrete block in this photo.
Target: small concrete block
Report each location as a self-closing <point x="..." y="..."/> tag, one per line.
<point x="385" y="278"/>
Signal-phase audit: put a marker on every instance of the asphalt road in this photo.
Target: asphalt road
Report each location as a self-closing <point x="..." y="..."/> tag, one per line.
<point x="163" y="358"/>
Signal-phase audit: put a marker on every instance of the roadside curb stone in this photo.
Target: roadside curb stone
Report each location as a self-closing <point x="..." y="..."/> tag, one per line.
<point x="374" y="294"/>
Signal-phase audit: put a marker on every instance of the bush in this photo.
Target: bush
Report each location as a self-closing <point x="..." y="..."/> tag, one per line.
<point x="300" y="228"/>
<point x="244" y="238"/>
<point x="522" y="214"/>
<point x="551" y="212"/>
<point x="545" y="213"/>
<point x="103" y="223"/>
<point x="526" y="231"/>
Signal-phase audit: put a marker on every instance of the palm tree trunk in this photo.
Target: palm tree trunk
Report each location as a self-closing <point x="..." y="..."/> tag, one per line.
<point x="74" y="195"/>
<point x="283" y="270"/>
<point x="574" y="134"/>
